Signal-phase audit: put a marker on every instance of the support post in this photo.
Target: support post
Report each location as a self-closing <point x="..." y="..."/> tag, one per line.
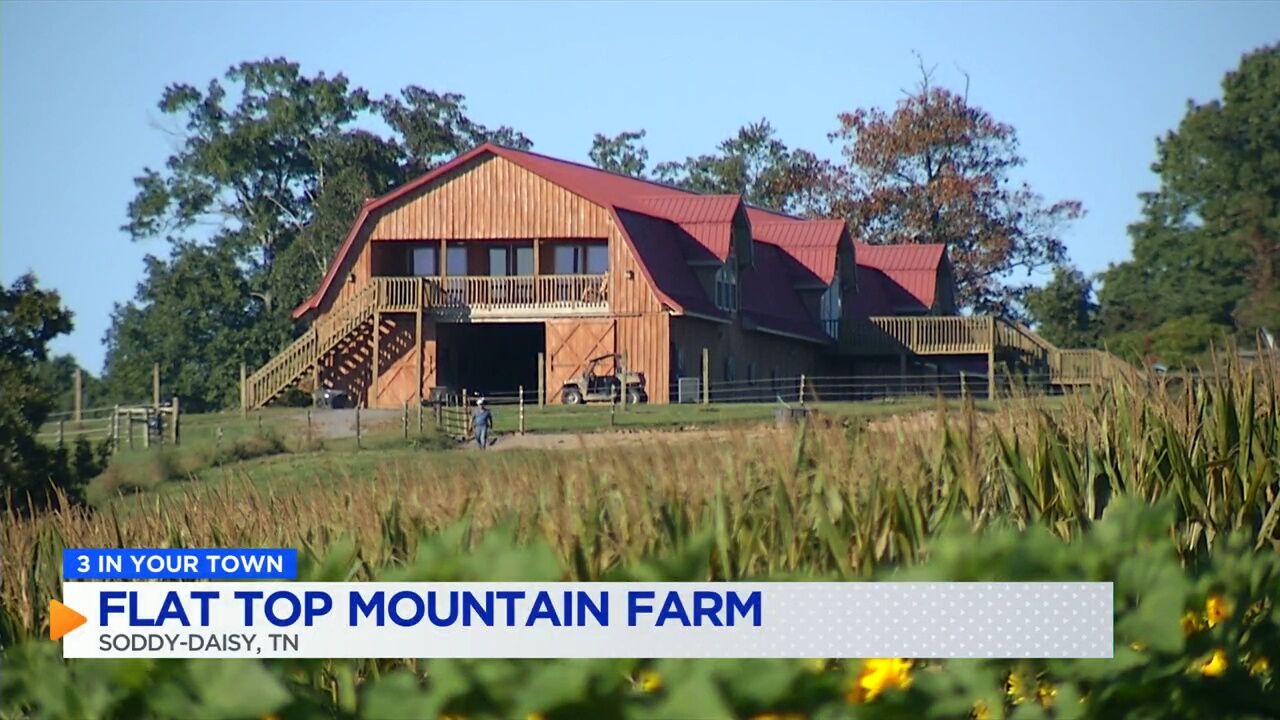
<point x="175" y="434"/>
<point x="155" y="386"/>
<point x="542" y="379"/>
<point x="129" y="427"/>
<point x="373" y="357"/>
<point x="115" y="429"/>
<point x="991" y="358"/>
<point x="801" y="388"/>
<point x="77" y="407"/>
<point x="404" y="420"/>
<point x="146" y="427"/>
<point x="706" y="376"/>
<point x="417" y="340"/>
<point x="244" y="398"/>
<point x="308" y="426"/>
<point x="61" y="432"/>
<point x="622" y="374"/>
<point x="357" y="427"/>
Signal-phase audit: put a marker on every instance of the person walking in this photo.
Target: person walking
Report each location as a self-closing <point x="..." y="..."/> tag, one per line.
<point x="483" y="420"/>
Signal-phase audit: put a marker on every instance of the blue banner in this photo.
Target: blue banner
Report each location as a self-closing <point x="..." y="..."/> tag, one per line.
<point x="180" y="564"/>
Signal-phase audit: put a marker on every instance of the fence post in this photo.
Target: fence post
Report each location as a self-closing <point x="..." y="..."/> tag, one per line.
<point x="466" y="416"/>
<point x="308" y="425"/>
<point x="419" y="416"/>
<point x="115" y="429"/>
<point x="155" y="386"/>
<point x="706" y="376"/>
<point x="404" y="420"/>
<point x="357" y="427"/>
<point x="964" y="386"/>
<point x="542" y="380"/>
<point x="801" y="388"/>
<point x="61" y="432"/>
<point x="78" y="401"/>
<point x="244" y="398"/>
<point x="521" y="409"/>
<point x="129" y="427"/>
<point x="173" y="423"/>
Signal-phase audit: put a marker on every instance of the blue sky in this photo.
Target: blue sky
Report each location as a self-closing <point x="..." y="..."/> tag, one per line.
<point x="1089" y="86"/>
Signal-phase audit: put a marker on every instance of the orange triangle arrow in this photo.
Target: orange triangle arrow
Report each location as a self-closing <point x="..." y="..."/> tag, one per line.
<point x="63" y="620"/>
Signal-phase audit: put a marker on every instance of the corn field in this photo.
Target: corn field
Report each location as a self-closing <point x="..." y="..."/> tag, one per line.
<point x="1171" y="490"/>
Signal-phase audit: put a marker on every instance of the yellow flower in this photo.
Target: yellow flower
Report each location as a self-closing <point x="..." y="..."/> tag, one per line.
<point x="1016" y="687"/>
<point x="1191" y="624"/>
<point x="1260" y="665"/>
<point x="1216" y="609"/>
<point x="1215" y="665"/>
<point x="980" y="711"/>
<point x="878" y="675"/>
<point x="649" y="681"/>
<point x="1046" y="692"/>
<point x="1138" y="646"/>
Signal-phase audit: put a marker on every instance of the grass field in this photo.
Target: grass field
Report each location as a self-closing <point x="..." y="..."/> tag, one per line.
<point x="1172" y="494"/>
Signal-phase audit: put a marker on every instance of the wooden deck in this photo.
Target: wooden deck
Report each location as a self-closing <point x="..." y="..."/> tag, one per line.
<point x="998" y="340"/>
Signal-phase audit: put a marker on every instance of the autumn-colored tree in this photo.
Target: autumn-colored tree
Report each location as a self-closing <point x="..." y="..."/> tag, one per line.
<point x="937" y="170"/>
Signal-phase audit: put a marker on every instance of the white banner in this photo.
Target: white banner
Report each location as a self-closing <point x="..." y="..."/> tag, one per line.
<point x="589" y="620"/>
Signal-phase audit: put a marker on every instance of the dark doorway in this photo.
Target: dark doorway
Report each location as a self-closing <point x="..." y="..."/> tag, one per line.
<point x="492" y="359"/>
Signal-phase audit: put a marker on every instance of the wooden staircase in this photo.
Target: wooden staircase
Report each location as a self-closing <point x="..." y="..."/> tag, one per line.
<point x="303" y="355"/>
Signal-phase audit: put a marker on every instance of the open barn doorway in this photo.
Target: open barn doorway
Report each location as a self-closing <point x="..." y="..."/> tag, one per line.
<point x="492" y="359"/>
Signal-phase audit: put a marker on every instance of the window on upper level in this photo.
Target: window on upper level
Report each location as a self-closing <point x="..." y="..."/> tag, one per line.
<point x="456" y="260"/>
<point x="424" y="261"/>
<point x="831" y="309"/>
<point x="581" y="258"/>
<point x="727" y="285"/>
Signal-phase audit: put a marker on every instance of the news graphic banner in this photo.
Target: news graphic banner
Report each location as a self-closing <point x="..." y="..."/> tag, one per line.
<point x="276" y="618"/>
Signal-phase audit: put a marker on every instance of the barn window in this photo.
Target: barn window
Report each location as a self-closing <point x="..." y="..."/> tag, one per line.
<point x="456" y="260"/>
<point x="423" y="261"/>
<point x="831" y="308"/>
<point x="727" y="286"/>
<point x="579" y="259"/>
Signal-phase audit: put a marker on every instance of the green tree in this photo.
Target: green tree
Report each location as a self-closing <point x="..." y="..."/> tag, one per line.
<point x="1208" y="243"/>
<point x="29" y="470"/>
<point x="623" y="153"/>
<point x="193" y="315"/>
<point x="57" y="374"/>
<point x="757" y="165"/>
<point x="270" y="169"/>
<point x="938" y="169"/>
<point x="1064" y="310"/>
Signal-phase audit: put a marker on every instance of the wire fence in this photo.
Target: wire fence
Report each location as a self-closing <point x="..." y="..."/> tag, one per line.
<point x="520" y="410"/>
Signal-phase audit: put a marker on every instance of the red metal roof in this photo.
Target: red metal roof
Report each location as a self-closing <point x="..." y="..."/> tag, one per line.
<point x="896" y="278"/>
<point x="814" y="244"/>
<point x="772" y="301"/>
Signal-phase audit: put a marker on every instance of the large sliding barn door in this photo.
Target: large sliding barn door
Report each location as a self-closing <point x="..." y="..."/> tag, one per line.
<point x="571" y="344"/>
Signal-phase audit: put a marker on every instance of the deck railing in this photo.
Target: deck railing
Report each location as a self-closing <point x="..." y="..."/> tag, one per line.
<point x="923" y="335"/>
<point x="493" y="294"/>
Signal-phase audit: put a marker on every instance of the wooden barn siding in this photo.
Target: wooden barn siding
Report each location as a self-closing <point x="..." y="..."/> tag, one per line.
<point x="492" y="198"/>
<point x="646" y="341"/>
<point x="788" y="357"/>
